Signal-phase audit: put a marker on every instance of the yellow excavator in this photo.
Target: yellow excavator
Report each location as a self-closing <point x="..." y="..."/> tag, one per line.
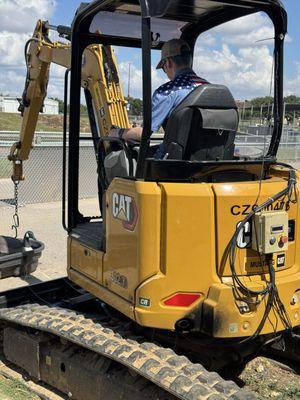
<point x="196" y="252"/>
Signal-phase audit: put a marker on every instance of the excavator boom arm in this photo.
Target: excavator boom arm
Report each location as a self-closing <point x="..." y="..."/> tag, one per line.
<point x="99" y="76"/>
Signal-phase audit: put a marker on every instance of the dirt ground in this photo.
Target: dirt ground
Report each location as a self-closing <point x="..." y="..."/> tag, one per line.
<point x="44" y="219"/>
<point x="270" y="379"/>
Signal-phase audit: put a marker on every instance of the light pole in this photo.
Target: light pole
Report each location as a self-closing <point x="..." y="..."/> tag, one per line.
<point x="129" y="67"/>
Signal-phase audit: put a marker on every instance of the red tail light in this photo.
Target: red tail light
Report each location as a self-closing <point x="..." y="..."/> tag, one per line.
<point x="182" y="299"/>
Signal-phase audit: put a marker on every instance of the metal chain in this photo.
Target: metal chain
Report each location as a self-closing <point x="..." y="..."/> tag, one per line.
<point x="16" y="218"/>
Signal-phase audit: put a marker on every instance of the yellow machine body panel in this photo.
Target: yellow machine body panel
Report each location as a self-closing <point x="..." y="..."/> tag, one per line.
<point x="133" y="232"/>
<point x="169" y="239"/>
<point x="85" y="259"/>
<point x="187" y="262"/>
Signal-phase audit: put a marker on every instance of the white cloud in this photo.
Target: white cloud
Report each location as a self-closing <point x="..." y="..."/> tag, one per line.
<point x="247" y="72"/>
<point x="11" y="82"/>
<point x="241" y="56"/>
<point x="56" y="81"/>
<point x="247" y="31"/>
<point x="18" y="20"/>
<point x="208" y="39"/>
<point x="12" y="48"/>
<point x="229" y="54"/>
<point x="19" y="16"/>
<point x="57" y="71"/>
<point x="292" y="84"/>
<point x="136" y="79"/>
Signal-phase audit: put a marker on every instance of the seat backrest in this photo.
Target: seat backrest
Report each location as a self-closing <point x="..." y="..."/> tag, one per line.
<point x="203" y="125"/>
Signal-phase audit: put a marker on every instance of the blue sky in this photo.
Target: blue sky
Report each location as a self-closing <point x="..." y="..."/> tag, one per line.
<point x="66" y="9"/>
<point x="230" y="54"/>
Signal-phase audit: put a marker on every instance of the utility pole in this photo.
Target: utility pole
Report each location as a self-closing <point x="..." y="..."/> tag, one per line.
<point x="129" y="66"/>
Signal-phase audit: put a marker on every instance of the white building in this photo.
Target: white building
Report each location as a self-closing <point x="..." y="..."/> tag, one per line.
<point x="11" y="105"/>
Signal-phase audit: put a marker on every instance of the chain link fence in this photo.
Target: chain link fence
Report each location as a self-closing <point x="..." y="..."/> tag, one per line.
<point x="43" y="170"/>
<point x="255" y="141"/>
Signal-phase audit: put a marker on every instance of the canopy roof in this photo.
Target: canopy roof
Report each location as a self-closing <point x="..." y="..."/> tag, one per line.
<point x="186" y="18"/>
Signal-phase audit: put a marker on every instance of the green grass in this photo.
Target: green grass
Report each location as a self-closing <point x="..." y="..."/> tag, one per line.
<point x="5" y="168"/>
<point x="10" y="122"/>
<point x="46" y="123"/>
<point x="11" y="389"/>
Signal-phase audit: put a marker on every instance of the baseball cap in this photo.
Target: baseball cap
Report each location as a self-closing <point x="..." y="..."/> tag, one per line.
<point x="172" y="48"/>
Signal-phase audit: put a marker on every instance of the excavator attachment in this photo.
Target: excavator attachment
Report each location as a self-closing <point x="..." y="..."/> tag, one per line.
<point x="99" y="78"/>
<point x="19" y="257"/>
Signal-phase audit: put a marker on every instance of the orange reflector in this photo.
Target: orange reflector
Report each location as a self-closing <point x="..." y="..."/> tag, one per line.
<point x="182" y="299"/>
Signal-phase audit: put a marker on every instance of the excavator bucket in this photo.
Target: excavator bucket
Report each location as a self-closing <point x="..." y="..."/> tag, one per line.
<point x="19" y="257"/>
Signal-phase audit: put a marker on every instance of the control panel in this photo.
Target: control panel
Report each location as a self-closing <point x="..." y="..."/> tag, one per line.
<point x="270" y="232"/>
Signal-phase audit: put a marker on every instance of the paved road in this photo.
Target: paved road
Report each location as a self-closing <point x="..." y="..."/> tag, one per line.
<point x="6" y="189"/>
<point x="44" y="220"/>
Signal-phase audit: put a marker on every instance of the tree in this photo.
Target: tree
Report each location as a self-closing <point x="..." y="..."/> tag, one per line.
<point x="60" y="105"/>
<point x="291" y="110"/>
<point x="83" y="109"/>
<point x="136" y="106"/>
<point x="262" y="107"/>
<point x="261" y="101"/>
<point x="264" y="101"/>
<point x="292" y="99"/>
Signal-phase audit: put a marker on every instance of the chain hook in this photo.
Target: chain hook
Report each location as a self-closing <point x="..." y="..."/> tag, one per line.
<point x="16" y="218"/>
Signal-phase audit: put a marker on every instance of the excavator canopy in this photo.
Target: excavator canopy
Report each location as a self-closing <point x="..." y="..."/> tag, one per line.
<point x="187" y="19"/>
<point x="147" y="25"/>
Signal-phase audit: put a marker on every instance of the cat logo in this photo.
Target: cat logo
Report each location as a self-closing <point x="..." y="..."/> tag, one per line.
<point x="244" y="237"/>
<point x="280" y="260"/>
<point x="124" y="209"/>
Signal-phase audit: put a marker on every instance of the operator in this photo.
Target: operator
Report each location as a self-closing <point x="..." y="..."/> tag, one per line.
<point x="176" y="61"/>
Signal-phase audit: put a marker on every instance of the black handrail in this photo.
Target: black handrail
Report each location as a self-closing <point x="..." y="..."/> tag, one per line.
<point x="147" y="102"/>
<point x="64" y="158"/>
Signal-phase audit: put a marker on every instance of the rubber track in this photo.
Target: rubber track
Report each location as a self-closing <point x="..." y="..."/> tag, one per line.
<point x="175" y="374"/>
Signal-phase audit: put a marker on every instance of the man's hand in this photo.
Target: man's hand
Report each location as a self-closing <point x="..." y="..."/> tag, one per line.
<point x="128" y="134"/>
<point x="114" y="132"/>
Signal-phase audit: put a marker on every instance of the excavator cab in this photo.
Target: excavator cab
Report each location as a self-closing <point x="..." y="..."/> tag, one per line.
<point x="203" y="242"/>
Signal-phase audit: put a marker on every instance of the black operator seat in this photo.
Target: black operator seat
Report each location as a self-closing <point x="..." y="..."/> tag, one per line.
<point x="203" y="125"/>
